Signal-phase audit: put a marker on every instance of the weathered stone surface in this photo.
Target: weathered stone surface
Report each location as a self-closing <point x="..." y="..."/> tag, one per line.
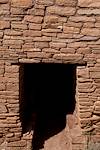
<point x="61" y="11"/>
<point x="22" y="3"/>
<point x="45" y="2"/>
<point x="89" y="3"/>
<point x="4" y="24"/>
<point x="66" y="3"/>
<point x="88" y="12"/>
<point x="90" y="31"/>
<point x="3" y="108"/>
<point x="33" y="19"/>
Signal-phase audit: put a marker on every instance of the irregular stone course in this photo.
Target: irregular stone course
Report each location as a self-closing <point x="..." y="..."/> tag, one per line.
<point x="50" y="31"/>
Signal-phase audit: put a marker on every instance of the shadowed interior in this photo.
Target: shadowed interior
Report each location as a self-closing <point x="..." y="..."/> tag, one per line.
<point x="48" y="96"/>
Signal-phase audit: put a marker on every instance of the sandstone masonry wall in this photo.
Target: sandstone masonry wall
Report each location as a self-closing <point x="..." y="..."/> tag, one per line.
<point x="49" y="31"/>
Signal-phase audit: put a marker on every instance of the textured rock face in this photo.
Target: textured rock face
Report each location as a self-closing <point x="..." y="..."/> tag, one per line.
<point x="89" y="3"/>
<point x="50" y="31"/>
<point x="22" y="3"/>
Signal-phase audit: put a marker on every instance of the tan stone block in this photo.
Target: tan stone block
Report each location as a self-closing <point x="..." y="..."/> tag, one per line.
<point x="3" y="108"/>
<point x="41" y="45"/>
<point x="45" y="2"/>
<point x="95" y="75"/>
<point x="1" y="35"/>
<point x="33" y="19"/>
<point x="88" y="25"/>
<point x="2" y="86"/>
<point x="89" y="3"/>
<point x="49" y="34"/>
<point x="57" y="45"/>
<point x="70" y="30"/>
<point x="21" y="143"/>
<point x="50" y="50"/>
<point x="12" y="87"/>
<point x="12" y="32"/>
<point x="84" y="50"/>
<point x="39" y="12"/>
<point x="4" y="24"/>
<point x="81" y="19"/>
<point x="77" y="45"/>
<point x="12" y="42"/>
<point x="4" y="1"/>
<point x="10" y="135"/>
<point x="33" y="26"/>
<point x="66" y="3"/>
<point x="12" y="69"/>
<point x="31" y="33"/>
<point x="61" y="11"/>
<point x="68" y="57"/>
<point x="38" y="55"/>
<point x="67" y="50"/>
<point x="88" y="11"/>
<point x="90" y="31"/>
<point x="22" y="3"/>
<point x="51" y="30"/>
<point x="85" y="115"/>
<point x="17" y="11"/>
<point x="42" y="39"/>
<point x="18" y="25"/>
<point x="51" y="19"/>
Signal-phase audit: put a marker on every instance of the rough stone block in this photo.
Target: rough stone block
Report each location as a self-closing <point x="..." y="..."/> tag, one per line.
<point x="4" y="24"/>
<point x="41" y="45"/>
<point x="22" y="3"/>
<point x="31" y="33"/>
<point x="70" y="30"/>
<point x="61" y="11"/>
<point x="66" y="3"/>
<point x="4" y="1"/>
<point x="90" y="31"/>
<point x="3" y="108"/>
<point x="33" y="19"/>
<point x="45" y="2"/>
<point x="57" y="45"/>
<point x="89" y="3"/>
<point x="33" y="26"/>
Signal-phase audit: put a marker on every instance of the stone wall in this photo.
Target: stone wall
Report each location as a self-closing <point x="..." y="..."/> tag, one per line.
<point x="49" y="31"/>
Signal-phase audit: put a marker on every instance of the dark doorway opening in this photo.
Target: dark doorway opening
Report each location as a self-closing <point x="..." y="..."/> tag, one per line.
<point x="47" y="95"/>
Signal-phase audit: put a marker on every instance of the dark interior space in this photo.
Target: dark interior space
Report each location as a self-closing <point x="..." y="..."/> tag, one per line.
<point x="47" y="95"/>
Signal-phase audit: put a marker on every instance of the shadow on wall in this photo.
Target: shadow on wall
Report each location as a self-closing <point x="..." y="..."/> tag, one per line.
<point x="47" y="95"/>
